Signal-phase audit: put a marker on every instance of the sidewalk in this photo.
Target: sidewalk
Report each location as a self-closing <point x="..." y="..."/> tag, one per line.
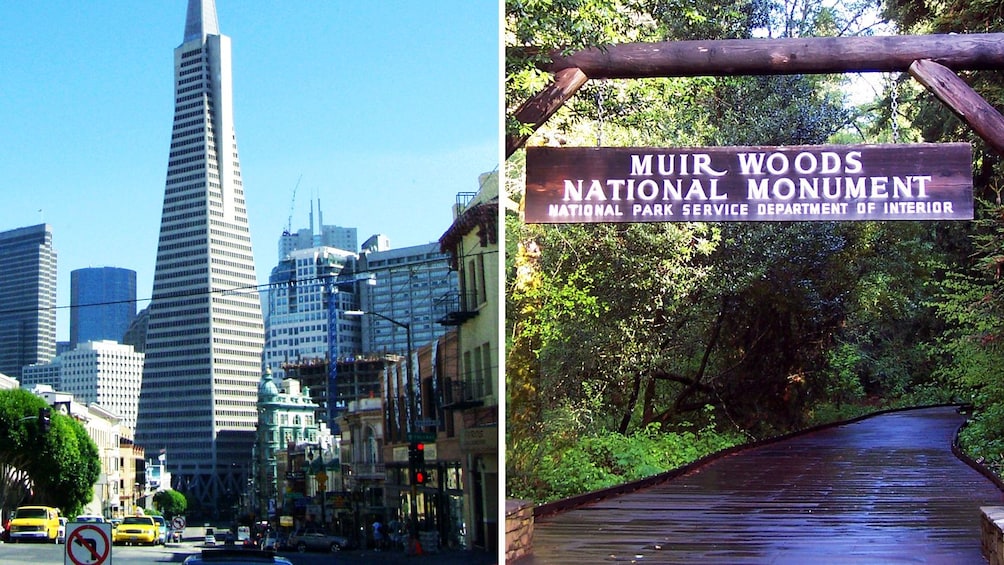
<point x="448" y="557"/>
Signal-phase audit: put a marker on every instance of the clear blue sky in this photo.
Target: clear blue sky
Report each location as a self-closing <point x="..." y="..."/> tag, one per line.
<point x="386" y="109"/>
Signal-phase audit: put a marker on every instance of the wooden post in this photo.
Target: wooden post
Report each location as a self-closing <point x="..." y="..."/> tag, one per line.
<point x="953" y="92"/>
<point x="537" y="110"/>
<point x="803" y="55"/>
<point x="809" y="55"/>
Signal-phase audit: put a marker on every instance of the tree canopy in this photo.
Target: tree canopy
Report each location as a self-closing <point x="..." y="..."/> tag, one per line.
<point x="56" y="468"/>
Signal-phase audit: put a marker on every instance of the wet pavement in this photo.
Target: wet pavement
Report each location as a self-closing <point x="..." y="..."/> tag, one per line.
<point x="886" y="489"/>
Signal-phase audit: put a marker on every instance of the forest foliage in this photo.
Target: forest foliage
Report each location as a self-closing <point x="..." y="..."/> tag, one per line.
<point x="635" y="348"/>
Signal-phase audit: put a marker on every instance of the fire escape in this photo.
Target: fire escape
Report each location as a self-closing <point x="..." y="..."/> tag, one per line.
<point x="458" y="306"/>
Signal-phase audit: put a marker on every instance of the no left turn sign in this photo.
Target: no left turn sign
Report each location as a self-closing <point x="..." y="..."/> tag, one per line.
<point x="88" y="544"/>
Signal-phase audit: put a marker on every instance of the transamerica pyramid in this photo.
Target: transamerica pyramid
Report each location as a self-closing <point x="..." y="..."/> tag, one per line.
<point x="205" y="335"/>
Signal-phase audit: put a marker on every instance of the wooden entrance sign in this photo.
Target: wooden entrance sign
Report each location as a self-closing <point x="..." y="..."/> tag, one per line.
<point x="712" y="184"/>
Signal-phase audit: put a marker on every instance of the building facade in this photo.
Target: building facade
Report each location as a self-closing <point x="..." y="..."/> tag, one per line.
<point x="286" y="423"/>
<point x="28" y="296"/>
<point x="102" y="303"/>
<point x="205" y="333"/>
<point x="469" y="399"/>
<point x="102" y="372"/>
<point x="408" y="284"/>
<point x="45" y="374"/>
<point x="107" y="373"/>
<point x="304" y="301"/>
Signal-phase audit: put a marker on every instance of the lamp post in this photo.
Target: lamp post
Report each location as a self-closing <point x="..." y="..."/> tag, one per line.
<point x="412" y="409"/>
<point x="331" y="283"/>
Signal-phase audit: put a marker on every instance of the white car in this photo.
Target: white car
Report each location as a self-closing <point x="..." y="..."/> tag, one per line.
<point x="210" y="537"/>
<point x="61" y="535"/>
<point x="94" y="518"/>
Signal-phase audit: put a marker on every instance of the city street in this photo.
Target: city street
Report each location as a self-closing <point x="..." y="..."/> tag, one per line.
<point x="51" y="554"/>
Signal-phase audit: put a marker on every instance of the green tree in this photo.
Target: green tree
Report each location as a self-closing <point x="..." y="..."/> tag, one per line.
<point x="970" y="296"/>
<point x="170" y="502"/>
<point x="56" y="468"/>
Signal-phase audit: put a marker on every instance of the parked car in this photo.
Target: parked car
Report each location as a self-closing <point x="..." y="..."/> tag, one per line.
<point x="236" y="556"/>
<point x="316" y="540"/>
<point x="94" y="518"/>
<point x="210" y="536"/>
<point x="271" y="541"/>
<point x="161" y="529"/>
<point x="136" y="529"/>
<point x="61" y="535"/>
<point x="39" y="523"/>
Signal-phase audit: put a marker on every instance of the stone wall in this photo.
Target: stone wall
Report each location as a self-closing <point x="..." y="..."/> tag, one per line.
<point x="992" y="534"/>
<point x="518" y="529"/>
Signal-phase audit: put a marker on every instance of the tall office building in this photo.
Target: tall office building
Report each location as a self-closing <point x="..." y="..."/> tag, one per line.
<point x="102" y="304"/>
<point x="205" y="334"/>
<point x="328" y="236"/>
<point x="410" y="283"/>
<point x="27" y="298"/>
<point x="298" y="324"/>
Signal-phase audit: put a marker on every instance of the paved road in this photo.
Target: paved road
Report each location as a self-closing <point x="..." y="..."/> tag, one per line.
<point x="51" y="554"/>
<point x="882" y="490"/>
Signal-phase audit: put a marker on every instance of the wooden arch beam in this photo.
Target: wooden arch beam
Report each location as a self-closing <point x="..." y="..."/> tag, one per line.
<point x="732" y="57"/>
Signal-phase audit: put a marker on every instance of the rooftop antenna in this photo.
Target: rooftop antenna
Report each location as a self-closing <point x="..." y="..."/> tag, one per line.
<point x="289" y="221"/>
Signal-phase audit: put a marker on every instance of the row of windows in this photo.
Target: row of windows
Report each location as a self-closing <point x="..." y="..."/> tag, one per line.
<point x="194" y="144"/>
<point x="174" y="162"/>
<point x="184" y="234"/>
<point x="190" y="132"/>
<point x="238" y="256"/>
<point x="188" y="98"/>
<point x="180" y="125"/>
<point x="168" y="257"/>
<point x="192" y="88"/>
<point x="174" y="188"/>
<point x="199" y="207"/>
<point x="240" y="323"/>
<point x="231" y="234"/>
<point x="170" y="301"/>
<point x="189" y="178"/>
<point x="222" y="243"/>
<point x="178" y="217"/>
<point x="189" y="80"/>
<point x="235" y="227"/>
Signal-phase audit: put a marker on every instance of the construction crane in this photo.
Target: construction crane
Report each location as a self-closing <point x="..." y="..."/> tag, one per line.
<point x="289" y="220"/>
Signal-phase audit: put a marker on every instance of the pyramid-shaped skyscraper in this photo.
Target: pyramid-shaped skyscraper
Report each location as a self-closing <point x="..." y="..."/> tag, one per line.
<point x="205" y="335"/>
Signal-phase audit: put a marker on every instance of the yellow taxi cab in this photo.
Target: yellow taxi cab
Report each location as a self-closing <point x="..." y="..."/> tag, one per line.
<point x="39" y="523"/>
<point x="136" y="529"/>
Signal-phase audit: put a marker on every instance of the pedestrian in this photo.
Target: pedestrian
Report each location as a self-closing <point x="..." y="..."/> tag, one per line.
<point x="377" y="534"/>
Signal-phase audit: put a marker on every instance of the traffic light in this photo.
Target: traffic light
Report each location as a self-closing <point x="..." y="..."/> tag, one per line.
<point x="416" y="462"/>
<point x="44" y="419"/>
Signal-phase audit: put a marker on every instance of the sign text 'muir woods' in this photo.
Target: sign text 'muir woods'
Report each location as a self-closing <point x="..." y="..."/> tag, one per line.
<point x="713" y="184"/>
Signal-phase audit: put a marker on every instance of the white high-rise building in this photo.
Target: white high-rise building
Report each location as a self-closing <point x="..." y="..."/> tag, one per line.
<point x="106" y="373"/>
<point x="205" y="335"/>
